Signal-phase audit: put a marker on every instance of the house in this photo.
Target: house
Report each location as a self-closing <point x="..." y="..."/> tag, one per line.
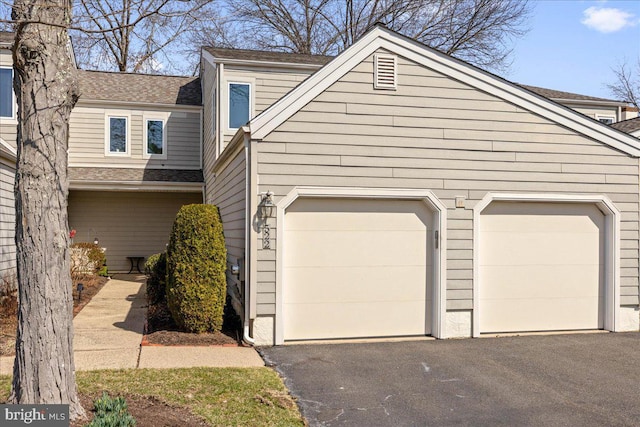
<point x="135" y="157"/>
<point x="396" y="191"/>
<point x="389" y="191"/>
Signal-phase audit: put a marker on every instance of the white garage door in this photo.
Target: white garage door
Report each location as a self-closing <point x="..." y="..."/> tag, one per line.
<point x="356" y="268"/>
<point x="541" y="267"/>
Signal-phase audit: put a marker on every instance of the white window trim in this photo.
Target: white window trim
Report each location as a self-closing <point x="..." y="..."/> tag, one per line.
<point x="107" y="132"/>
<point x="159" y="118"/>
<point x="14" y="108"/>
<point x="606" y="116"/>
<point x="227" y="101"/>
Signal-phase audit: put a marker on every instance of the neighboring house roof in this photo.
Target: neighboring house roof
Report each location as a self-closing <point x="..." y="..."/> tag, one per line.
<point x="383" y="38"/>
<point x="265" y="56"/>
<point x="568" y="96"/>
<point x="134" y="175"/>
<point x="631" y="126"/>
<point x="142" y="88"/>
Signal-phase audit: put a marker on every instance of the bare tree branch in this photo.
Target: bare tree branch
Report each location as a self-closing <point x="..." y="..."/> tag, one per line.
<point x="627" y="84"/>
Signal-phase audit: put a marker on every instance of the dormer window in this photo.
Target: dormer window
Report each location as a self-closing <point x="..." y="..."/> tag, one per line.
<point x="239" y="104"/>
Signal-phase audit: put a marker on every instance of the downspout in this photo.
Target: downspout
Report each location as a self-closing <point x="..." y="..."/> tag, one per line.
<point x="246" y="337"/>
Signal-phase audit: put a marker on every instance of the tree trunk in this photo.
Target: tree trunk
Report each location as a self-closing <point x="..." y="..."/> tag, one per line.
<point x="46" y="86"/>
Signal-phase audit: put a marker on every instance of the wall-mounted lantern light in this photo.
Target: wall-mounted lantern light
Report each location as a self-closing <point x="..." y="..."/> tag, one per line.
<point x="266" y="209"/>
<point x="266" y="206"/>
<point x="96" y="241"/>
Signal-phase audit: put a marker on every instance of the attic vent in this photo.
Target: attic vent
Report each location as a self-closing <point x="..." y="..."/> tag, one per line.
<point x="385" y="72"/>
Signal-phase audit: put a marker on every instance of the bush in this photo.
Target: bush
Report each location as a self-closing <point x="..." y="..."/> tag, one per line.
<point x="87" y="258"/>
<point x="111" y="412"/>
<point x="196" y="265"/>
<point x="156" y="270"/>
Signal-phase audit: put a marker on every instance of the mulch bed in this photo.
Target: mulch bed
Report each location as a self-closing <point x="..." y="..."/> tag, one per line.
<point x="147" y="411"/>
<point x="162" y="330"/>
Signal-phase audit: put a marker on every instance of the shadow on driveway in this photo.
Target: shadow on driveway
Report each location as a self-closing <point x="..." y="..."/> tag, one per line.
<point x="559" y="380"/>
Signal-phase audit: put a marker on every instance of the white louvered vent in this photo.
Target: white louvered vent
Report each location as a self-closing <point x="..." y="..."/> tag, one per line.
<point x="385" y="71"/>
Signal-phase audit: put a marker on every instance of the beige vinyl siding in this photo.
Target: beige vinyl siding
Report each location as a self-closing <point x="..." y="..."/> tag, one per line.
<point x="208" y="132"/>
<point x="595" y="112"/>
<point x="87" y="128"/>
<point x="7" y="219"/>
<point x="270" y="85"/>
<point x="437" y="133"/>
<point x="126" y="223"/>
<point x="228" y="193"/>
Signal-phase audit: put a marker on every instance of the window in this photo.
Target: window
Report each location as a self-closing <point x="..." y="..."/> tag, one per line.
<point x="239" y="104"/>
<point x="607" y="120"/>
<point x="117" y="134"/>
<point x="6" y="92"/>
<point x="155" y="138"/>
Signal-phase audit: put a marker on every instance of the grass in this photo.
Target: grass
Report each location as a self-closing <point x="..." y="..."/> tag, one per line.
<point x="222" y="396"/>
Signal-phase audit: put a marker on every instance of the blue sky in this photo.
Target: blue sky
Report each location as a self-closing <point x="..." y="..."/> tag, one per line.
<point x="573" y="45"/>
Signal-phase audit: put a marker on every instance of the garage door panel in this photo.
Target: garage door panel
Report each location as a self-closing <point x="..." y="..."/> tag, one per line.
<point x="342" y="214"/>
<point x="541" y="267"/>
<point x="543" y="248"/>
<point x="541" y="314"/>
<point x="356" y="268"/>
<point x="533" y="282"/>
<point x="353" y="284"/>
<point x="353" y="248"/>
<point x="353" y="320"/>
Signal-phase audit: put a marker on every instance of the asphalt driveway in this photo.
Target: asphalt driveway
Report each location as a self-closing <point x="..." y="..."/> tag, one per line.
<point x="559" y="380"/>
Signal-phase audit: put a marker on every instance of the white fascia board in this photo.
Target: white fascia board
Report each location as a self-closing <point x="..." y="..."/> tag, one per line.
<point x="590" y="102"/>
<point x="133" y="105"/>
<point x="254" y="63"/>
<point x="190" y="187"/>
<point x="378" y="38"/>
<point x="8" y="150"/>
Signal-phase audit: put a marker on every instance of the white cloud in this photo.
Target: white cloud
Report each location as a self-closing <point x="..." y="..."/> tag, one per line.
<point x="607" y="20"/>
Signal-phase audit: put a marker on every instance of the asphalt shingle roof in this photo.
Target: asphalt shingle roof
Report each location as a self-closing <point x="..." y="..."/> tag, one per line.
<point x="558" y="94"/>
<point x="628" y="126"/>
<point x="135" y="175"/>
<point x="127" y="87"/>
<point x="267" y="56"/>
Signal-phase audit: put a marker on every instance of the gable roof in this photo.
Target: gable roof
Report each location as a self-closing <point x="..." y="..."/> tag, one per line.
<point x="247" y="55"/>
<point x="382" y="38"/>
<point x="629" y="126"/>
<point x="568" y="96"/>
<point x="140" y="88"/>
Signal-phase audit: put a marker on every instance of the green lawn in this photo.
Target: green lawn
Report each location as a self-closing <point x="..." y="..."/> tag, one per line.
<point x="222" y="396"/>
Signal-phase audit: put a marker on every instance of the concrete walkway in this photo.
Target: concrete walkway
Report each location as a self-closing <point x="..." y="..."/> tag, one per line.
<point x="108" y="333"/>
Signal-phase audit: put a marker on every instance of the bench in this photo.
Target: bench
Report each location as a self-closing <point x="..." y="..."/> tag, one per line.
<point x="135" y="259"/>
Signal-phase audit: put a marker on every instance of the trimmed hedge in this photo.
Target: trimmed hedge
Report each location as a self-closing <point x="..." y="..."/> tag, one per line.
<point x="156" y="271"/>
<point x="196" y="266"/>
